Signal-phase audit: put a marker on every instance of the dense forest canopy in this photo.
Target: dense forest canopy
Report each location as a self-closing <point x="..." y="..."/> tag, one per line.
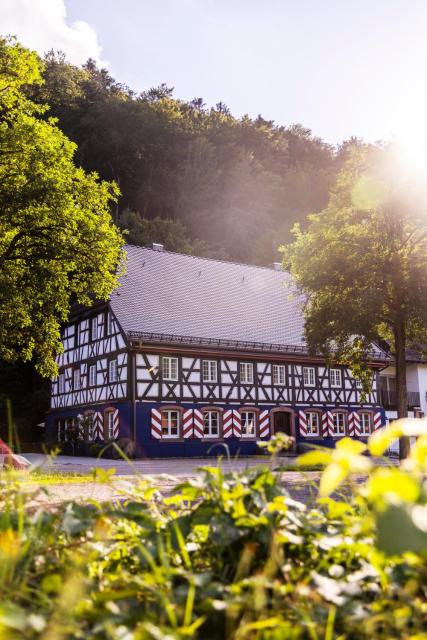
<point x="233" y="187"/>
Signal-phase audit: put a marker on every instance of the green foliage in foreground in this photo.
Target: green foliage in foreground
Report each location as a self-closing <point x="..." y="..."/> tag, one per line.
<point x="226" y="556"/>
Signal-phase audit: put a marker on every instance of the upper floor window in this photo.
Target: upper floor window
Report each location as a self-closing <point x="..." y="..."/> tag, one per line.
<point x="94" y="328"/>
<point x="61" y="383"/>
<point x="211" y="424"/>
<point x="170" y="368"/>
<point x="110" y="323"/>
<point x="308" y="376"/>
<point x="338" y="418"/>
<point x="246" y="372"/>
<point x="210" y="371"/>
<point x="279" y="372"/>
<point x="248" y="419"/>
<point x="92" y="375"/>
<point x="313" y="423"/>
<point x="77" y="382"/>
<point x="335" y="377"/>
<point x="113" y="373"/>
<point x="365" y="423"/>
<point x="170" y="423"/>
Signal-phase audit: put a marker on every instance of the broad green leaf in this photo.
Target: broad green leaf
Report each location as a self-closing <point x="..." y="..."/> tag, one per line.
<point x="312" y="458"/>
<point x="331" y="478"/>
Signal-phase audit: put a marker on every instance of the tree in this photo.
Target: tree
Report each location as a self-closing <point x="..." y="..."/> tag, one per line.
<point x="58" y="244"/>
<point x="362" y="265"/>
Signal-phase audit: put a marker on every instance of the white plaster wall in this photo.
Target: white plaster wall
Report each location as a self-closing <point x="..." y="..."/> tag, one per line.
<point x="422" y="384"/>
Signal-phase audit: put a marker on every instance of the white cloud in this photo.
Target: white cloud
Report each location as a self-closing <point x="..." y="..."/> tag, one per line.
<point x="42" y="25"/>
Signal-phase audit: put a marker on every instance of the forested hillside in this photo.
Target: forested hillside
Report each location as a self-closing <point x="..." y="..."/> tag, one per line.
<point x="193" y="177"/>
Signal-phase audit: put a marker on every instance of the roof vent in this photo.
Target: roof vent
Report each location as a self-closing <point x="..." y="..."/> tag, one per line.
<point x="156" y="246"/>
<point x="277" y="266"/>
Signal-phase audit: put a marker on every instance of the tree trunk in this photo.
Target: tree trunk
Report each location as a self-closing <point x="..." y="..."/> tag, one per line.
<point x="402" y="394"/>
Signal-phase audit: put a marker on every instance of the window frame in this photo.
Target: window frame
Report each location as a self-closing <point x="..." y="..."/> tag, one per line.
<point x="111" y="362"/>
<point x="345" y="425"/>
<point x="334" y="384"/>
<point x="313" y="371"/>
<point x="110" y="324"/>
<point x="363" y="434"/>
<point x="209" y="410"/>
<point x="170" y="379"/>
<point x="61" y="383"/>
<point x="179" y="411"/>
<point x="91" y="368"/>
<point x="80" y="386"/>
<point x="279" y="367"/>
<point x="215" y="369"/>
<point x="255" y="411"/>
<point x="317" y="413"/>
<point x="94" y="328"/>
<point x="246" y="366"/>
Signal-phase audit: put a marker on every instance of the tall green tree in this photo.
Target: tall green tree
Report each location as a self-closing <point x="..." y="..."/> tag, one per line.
<point x="362" y="264"/>
<point x="58" y="243"/>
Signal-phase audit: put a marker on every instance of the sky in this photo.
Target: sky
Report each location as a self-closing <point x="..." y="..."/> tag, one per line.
<point x="339" y="67"/>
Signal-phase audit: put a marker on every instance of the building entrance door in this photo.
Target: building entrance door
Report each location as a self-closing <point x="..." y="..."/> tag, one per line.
<point x="283" y="423"/>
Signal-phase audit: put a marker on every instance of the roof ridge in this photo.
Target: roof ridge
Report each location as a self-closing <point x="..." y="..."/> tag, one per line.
<point x="189" y="255"/>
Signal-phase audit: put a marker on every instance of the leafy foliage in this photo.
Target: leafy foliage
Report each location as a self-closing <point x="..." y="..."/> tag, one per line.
<point x="227" y="555"/>
<point x="57" y="240"/>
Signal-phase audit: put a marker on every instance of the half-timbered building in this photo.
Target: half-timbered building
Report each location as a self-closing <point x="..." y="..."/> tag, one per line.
<point x="191" y="354"/>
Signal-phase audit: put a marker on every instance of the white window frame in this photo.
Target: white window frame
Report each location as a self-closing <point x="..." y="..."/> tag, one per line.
<point x="168" y="435"/>
<point x="110" y="425"/>
<point x="246" y="370"/>
<point x="245" y="423"/>
<point x="309" y="417"/>
<point x="77" y="376"/>
<point x="279" y="375"/>
<point x="208" y="423"/>
<point x="335" y="378"/>
<point x="336" y="433"/>
<point x="110" y="324"/>
<point x="61" y="383"/>
<point x="168" y="364"/>
<point x="92" y="375"/>
<point x="362" y="415"/>
<point x="94" y="328"/>
<point x="309" y="376"/>
<point x="113" y="371"/>
<point x="210" y="371"/>
<point x="91" y="426"/>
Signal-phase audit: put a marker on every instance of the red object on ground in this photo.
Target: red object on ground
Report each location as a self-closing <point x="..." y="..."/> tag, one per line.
<point x="10" y="459"/>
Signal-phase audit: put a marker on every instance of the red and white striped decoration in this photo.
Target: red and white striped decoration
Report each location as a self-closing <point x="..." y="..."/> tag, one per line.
<point x="81" y="428"/>
<point x="198" y="425"/>
<point x="156" y="424"/>
<point x="377" y="420"/>
<point x="264" y="424"/>
<point x="327" y="424"/>
<point x="98" y="426"/>
<point x="116" y="424"/>
<point x="353" y="424"/>
<point x="357" y="430"/>
<point x="227" y="424"/>
<point x="237" y="423"/>
<point x="302" y="423"/>
<point x="187" y="423"/>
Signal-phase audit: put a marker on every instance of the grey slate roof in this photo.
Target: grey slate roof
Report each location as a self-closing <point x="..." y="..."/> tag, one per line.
<point x="171" y="293"/>
<point x="200" y="299"/>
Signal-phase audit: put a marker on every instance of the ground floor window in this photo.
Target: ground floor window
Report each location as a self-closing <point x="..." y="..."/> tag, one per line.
<point x="338" y="418"/>
<point x="211" y="424"/>
<point x="365" y="423"/>
<point x="313" y="423"/>
<point x="171" y="420"/>
<point x="248" y="419"/>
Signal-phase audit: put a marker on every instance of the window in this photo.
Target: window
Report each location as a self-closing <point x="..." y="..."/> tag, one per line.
<point x="170" y="368"/>
<point x="94" y="328"/>
<point x="313" y="423"/>
<point x="92" y="375"/>
<point x="210" y="371"/>
<point x="113" y="375"/>
<point x="170" y="424"/>
<point x="308" y="376"/>
<point x="339" y="423"/>
<point x="335" y="377"/>
<point x="110" y="425"/>
<point x="61" y="383"/>
<point x="246" y="372"/>
<point x="279" y="374"/>
<point x="248" y="424"/>
<point x="60" y="425"/>
<point x="76" y="379"/>
<point x="365" y="423"/>
<point x="88" y="426"/>
<point x="211" y="424"/>
<point x="110" y="323"/>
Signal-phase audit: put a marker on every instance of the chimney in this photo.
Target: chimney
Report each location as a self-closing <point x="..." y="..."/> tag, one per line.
<point x="277" y="266"/>
<point x="157" y="247"/>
